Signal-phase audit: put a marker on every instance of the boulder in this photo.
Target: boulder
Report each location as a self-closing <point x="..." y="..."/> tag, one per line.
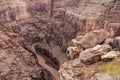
<point x="88" y="57"/>
<point x="93" y="38"/>
<point x="73" y="52"/>
<point x="102" y="48"/>
<point x="116" y="43"/>
<point x="78" y="38"/>
<point x="110" y="55"/>
<point x="99" y="76"/>
<point x="94" y="54"/>
<point x="17" y="62"/>
<point x="108" y="41"/>
<point x="71" y="70"/>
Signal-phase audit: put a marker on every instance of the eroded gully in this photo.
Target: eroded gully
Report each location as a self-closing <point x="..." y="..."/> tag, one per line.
<point x="42" y="62"/>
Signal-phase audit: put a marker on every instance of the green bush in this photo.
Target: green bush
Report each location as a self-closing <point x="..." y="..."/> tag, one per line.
<point x="110" y="68"/>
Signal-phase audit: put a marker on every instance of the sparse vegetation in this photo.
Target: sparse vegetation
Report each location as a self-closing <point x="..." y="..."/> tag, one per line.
<point x="110" y="68"/>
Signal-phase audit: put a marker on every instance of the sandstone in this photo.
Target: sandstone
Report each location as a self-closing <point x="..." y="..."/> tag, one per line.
<point x="102" y="48"/>
<point x="110" y="55"/>
<point x="58" y="22"/>
<point x="94" y="54"/>
<point x="88" y="57"/>
<point x="70" y="70"/>
<point x="99" y="76"/>
<point x="16" y="62"/>
<point x="93" y="38"/>
<point x="78" y="38"/>
<point x="73" y="52"/>
<point x="108" y="41"/>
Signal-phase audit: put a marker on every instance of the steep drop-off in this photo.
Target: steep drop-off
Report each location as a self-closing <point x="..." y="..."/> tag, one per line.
<point x="48" y="26"/>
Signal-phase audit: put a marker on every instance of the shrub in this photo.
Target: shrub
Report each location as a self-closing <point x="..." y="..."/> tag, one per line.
<point x="110" y="68"/>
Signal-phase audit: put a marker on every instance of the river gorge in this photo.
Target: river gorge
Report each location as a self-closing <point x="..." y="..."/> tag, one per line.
<point x="35" y="34"/>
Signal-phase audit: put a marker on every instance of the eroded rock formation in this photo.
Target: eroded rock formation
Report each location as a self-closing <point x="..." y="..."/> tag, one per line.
<point x="52" y="24"/>
<point x="86" y="66"/>
<point x="16" y="62"/>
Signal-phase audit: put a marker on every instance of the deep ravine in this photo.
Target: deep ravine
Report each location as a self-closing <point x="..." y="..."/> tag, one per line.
<point x="42" y="62"/>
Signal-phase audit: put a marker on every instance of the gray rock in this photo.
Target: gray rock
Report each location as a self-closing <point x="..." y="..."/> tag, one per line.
<point x="88" y="57"/>
<point x="73" y="52"/>
<point x="94" y="54"/>
<point x="110" y="55"/>
<point x="77" y="39"/>
<point x="116" y="43"/>
<point x="102" y="48"/>
<point x="99" y="76"/>
<point x="93" y="38"/>
<point x="108" y="41"/>
<point x="71" y="70"/>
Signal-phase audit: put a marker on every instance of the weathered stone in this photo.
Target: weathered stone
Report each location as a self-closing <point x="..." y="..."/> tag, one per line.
<point x="108" y="41"/>
<point x="99" y="76"/>
<point x="94" y="54"/>
<point x="93" y="38"/>
<point x="110" y="55"/>
<point x="89" y="57"/>
<point x="16" y="62"/>
<point x="78" y="38"/>
<point x="71" y="70"/>
<point x="116" y="43"/>
<point x="73" y="52"/>
<point x="102" y="48"/>
<point x="59" y="20"/>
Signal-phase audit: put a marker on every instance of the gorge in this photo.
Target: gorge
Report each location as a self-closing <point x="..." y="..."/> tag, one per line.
<point x="35" y="35"/>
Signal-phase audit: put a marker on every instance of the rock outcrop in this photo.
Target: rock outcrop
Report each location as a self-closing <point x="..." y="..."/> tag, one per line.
<point x="105" y="77"/>
<point x="16" y="62"/>
<point x="86" y="66"/>
<point x="56" y="23"/>
<point x="116" y="43"/>
<point x="71" y="70"/>
<point x="68" y="19"/>
<point x="93" y="38"/>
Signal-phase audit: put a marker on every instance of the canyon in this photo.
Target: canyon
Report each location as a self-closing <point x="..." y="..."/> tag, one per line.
<point x="35" y="34"/>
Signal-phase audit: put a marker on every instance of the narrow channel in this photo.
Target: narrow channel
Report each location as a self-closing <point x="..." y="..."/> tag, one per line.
<point x="42" y="62"/>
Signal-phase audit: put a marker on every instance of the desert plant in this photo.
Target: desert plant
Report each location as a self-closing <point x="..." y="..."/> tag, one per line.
<point x="110" y="68"/>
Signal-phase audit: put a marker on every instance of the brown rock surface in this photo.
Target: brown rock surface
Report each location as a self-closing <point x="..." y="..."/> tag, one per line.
<point x="69" y="18"/>
<point x="57" y="21"/>
<point x="116" y="43"/>
<point x="99" y="76"/>
<point x="16" y="62"/>
<point x="93" y="38"/>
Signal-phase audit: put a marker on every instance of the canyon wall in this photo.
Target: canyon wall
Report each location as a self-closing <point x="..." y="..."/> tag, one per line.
<point x="56" y="22"/>
<point x="69" y="18"/>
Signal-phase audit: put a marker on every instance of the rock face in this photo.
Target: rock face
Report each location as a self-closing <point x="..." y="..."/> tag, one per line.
<point x="73" y="52"/>
<point x="64" y="18"/>
<point x="71" y="70"/>
<point x="16" y="62"/>
<point x="57" y="22"/>
<point x="94" y="54"/>
<point x="89" y="61"/>
<point x="20" y="9"/>
<point x="88" y="57"/>
<point x="105" y="77"/>
<point x="110" y="55"/>
<point x="93" y="38"/>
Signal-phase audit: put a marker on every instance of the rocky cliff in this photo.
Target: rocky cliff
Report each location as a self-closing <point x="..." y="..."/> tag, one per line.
<point x="17" y="61"/>
<point x="64" y="17"/>
<point x="48" y="26"/>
